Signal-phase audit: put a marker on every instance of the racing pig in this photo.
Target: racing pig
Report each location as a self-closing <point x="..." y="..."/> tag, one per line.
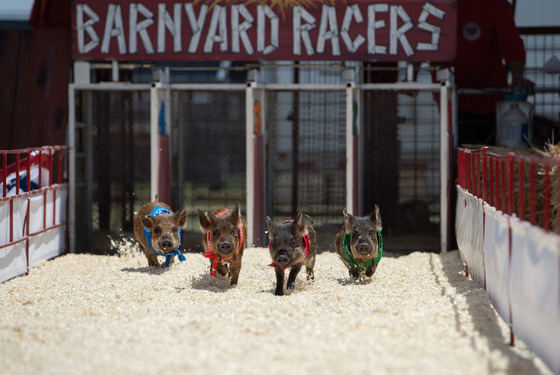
<point x="224" y="232"/>
<point x="293" y="244"/>
<point x="158" y="230"/>
<point x="359" y="243"/>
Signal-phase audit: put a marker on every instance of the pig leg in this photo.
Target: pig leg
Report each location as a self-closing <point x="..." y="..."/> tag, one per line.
<point x="310" y="275"/>
<point x="371" y="270"/>
<point x="152" y="258"/>
<point x="354" y="272"/>
<point x="222" y="269"/>
<point x="309" y="268"/>
<point x="279" y="281"/>
<point x="292" y="277"/>
<point x="234" y="270"/>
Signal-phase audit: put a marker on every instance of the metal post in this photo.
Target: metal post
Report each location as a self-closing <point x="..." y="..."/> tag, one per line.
<point x="249" y="166"/>
<point x="89" y="163"/>
<point x="71" y="170"/>
<point x="154" y="154"/>
<point x="444" y="166"/>
<point x="351" y="170"/>
<point x="258" y="135"/>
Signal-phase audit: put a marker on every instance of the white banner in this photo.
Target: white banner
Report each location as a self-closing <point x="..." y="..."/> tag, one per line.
<point x="61" y="201"/>
<point x="46" y="245"/>
<point x="496" y="260"/>
<point x="469" y="230"/>
<point x="36" y="210"/>
<point x="13" y="261"/>
<point x="534" y="286"/>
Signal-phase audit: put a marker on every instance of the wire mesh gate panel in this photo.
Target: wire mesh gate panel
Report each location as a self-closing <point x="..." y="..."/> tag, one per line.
<point x="401" y="169"/>
<point x="305" y="147"/>
<point x="213" y="143"/>
<point x="306" y="157"/>
<point x="115" y="181"/>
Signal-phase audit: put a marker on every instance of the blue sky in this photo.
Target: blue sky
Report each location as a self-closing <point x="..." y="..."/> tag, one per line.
<point x="15" y="10"/>
<point x="537" y="13"/>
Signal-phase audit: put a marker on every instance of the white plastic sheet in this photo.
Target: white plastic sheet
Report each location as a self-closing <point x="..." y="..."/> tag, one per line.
<point x="47" y="210"/>
<point x="13" y="261"/>
<point x="496" y="260"/>
<point x="46" y="245"/>
<point x="469" y="230"/>
<point x="36" y="210"/>
<point x="19" y="212"/>
<point x="534" y="287"/>
<point x="61" y="200"/>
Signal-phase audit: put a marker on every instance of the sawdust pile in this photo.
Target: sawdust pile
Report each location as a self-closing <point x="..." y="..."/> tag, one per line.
<point x="86" y="314"/>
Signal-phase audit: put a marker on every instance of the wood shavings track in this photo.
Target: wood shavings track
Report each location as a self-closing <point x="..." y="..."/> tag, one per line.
<point x="86" y="314"/>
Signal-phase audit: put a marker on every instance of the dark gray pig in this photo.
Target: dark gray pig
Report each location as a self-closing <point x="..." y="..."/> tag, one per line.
<point x="293" y="244"/>
<point x="359" y="243"/>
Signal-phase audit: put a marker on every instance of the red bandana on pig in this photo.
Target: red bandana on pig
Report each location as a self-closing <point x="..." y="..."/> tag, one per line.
<point x="210" y="254"/>
<point x="306" y="245"/>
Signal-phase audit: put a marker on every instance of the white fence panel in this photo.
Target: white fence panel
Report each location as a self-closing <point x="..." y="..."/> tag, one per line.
<point x="36" y="208"/>
<point x="469" y="229"/>
<point x="61" y="204"/>
<point x="46" y="245"/>
<point x="13" y="261"/>
<point x="496" y="260"/>
<point x="534" y="287"/>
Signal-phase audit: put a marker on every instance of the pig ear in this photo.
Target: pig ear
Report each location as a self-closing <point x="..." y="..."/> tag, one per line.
<point x="181" y="218"/>
<point x="147" y="221"/>
<point x="348" y="218"/>
<point x="236" y="214"/>
<point x="299" y="223"/>
<point x="375" y="217"/>
<point x="270" y="226"/>
<point x="204" y="220"/>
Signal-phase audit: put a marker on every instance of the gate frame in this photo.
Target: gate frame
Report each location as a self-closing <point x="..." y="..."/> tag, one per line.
<point x="255" y="146"/>
<point x="82" y="84"/>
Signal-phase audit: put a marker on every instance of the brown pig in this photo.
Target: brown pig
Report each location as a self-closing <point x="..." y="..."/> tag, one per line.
<point x="293" y="244"/>
<point x="224" y="232"/>
<point x="359" y="243"/>
<point x="158" y="230"/>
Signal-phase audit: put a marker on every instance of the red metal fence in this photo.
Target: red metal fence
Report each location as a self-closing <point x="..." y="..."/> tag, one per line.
<point x="33" y="207"/>
<point x="526" y="186"/>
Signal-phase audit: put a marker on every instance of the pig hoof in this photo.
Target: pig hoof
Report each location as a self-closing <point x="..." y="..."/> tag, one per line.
<point x="310" y="276"/>
<point x="290" y="286"/>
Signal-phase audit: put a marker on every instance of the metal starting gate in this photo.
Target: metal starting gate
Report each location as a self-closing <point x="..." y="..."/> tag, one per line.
<point x="274" y="147"/>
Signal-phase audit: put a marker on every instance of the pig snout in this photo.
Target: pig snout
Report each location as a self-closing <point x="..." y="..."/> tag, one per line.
<point x="166" y="243"/>
<point x="363" y="248"/>
<point x="282" y="258"/>
<point x="225" y="247"/>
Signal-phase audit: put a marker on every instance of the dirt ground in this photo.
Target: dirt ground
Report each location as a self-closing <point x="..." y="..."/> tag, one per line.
<point x="100" y="314"/>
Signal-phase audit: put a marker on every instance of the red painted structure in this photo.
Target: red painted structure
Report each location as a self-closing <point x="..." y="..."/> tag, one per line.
<point x="502" y="181"/>
<point x="34" y="76"/>
<point x="391" y="30"/>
